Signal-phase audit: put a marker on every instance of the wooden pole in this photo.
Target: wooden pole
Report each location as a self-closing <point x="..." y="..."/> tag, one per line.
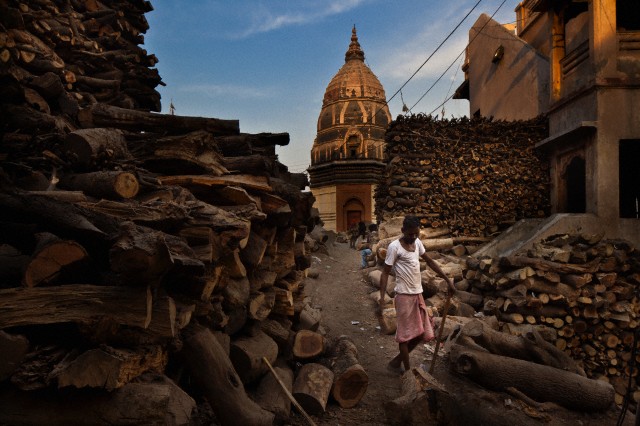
<point x="289" y="395"/>
<point x="447" y="303"/>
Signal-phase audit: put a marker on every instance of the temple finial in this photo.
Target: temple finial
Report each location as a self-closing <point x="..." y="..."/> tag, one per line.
<point x="354" y="51"/>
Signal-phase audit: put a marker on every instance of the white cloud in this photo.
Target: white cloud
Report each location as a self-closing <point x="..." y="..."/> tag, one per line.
<point x="265" y="19"/>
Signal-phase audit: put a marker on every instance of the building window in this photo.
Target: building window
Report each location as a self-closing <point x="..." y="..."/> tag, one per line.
<point x="353" y="146"/>
<point x="629" y="177"/>
<point x="628" y="15"/>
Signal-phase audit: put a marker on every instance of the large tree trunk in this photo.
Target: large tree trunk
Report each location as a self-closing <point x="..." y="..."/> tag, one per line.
<point x="540" y="382"/>
<point x="212" y="370"/>
<point x="529" y="348"/>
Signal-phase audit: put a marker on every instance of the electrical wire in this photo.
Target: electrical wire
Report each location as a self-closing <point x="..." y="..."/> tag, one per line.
<point x="454" y="61"/>
<point x="386" y="102"/>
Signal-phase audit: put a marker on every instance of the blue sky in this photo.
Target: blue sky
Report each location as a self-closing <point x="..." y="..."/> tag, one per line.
<point x="267" y="63"/>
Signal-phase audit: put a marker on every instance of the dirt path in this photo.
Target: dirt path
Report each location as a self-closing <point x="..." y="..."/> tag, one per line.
<point x="341" y="293"/>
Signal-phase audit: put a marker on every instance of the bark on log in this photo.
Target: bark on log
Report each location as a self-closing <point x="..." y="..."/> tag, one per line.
<point x="546" y="265"/>
<point x="312" y="387"/>
<point x="247" y="352"/>
<point x="254" y="251"/>
<point x="109" y="368"/>
<point x="412" y="406"/>
<point x="193" y="153"/>
<point x="110" y="185"/>
<point x="278" y="332"/>
<point x="75" y="303"/>
<point x="270" y="395"/>
<point x="140" y="256"/>
<point x="154" y="400"/>
<point x="257" y="183"/>
<point x="102" y="115"/>
<point x="86" y="147"/>
<point x="531" y="347"/>
<point x="350" y="380"/>
<point x="540" y="382"/>
<point x="212" y="370"/>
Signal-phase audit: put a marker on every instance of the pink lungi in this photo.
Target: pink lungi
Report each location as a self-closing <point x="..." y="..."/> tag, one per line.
<point x="412" y="318"/>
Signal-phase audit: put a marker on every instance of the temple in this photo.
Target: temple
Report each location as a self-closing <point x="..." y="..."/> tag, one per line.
<point x="348" y="152"/>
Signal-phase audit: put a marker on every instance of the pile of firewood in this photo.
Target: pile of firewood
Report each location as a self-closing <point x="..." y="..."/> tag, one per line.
<point x="147" y="261"/>
<point x="74" y="53"/>
<point x="581" y="292"/>
<point x="474" y="176"/>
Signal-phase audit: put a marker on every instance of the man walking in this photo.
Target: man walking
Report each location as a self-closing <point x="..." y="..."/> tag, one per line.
<point x="413" y="323"/>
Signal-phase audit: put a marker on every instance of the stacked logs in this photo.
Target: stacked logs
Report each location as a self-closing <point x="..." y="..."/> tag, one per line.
<point x="474" y="176"/>
<point x="147" y="260"/>
<point x="104" y="279"/>
<point x="74" y="53"/>
<point x="580" y="289"/>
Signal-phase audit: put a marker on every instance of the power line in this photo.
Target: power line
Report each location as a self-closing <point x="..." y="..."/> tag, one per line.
<point x="454" y="61"/>
<point x="450" y="65"/>
<point x="386" y="102"/>
<point x="433" y="53"/>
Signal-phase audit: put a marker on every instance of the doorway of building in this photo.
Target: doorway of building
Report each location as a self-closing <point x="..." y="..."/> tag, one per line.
<point x="629" y="177"/>
<point x="353" y="217"/>
<point x="576" y="186"/>
<point x="353" y="212"/>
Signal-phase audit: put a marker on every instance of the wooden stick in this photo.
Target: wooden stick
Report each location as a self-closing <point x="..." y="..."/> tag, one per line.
<point x="286" y="391"/>
<point x="447" y="303"/>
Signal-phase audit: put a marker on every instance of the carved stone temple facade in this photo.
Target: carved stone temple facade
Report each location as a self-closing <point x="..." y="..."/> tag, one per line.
<point x="348" y="152"/>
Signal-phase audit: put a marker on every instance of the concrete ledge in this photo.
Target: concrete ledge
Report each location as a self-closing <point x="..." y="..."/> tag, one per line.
<point x="526" y="232"/>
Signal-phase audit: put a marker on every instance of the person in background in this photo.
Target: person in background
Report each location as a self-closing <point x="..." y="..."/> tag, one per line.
<point x="353" y="235"/>
<point x="413" y="322"/>
<point x="367" y="243"/>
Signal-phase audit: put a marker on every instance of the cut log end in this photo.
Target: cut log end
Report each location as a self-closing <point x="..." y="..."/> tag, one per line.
<point x="350" y="387"/>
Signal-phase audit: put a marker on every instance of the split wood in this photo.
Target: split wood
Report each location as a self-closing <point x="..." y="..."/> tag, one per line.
<point x="289" y="395"/>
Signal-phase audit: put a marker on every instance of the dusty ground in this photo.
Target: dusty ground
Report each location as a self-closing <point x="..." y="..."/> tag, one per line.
<point x="341" y="292"/>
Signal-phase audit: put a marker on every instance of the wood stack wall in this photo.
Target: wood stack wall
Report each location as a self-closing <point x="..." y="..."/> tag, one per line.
<point x="474" y="176"/>
<point x="582" y="290"/>
<point x="129" y="238"/>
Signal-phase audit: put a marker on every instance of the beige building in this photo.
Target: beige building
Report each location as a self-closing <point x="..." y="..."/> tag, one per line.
<point x="348" y="152"/>
<point x="578" y="62"/>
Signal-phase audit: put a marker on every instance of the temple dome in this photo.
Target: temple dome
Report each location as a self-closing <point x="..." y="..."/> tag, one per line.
<point x="347" y="128"/>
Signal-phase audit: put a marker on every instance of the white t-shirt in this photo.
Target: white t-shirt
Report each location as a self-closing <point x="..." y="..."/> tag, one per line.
<point x="407" y="267"/>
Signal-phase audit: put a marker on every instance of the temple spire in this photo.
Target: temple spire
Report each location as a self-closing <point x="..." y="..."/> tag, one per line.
<point x="354" y="51"/>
